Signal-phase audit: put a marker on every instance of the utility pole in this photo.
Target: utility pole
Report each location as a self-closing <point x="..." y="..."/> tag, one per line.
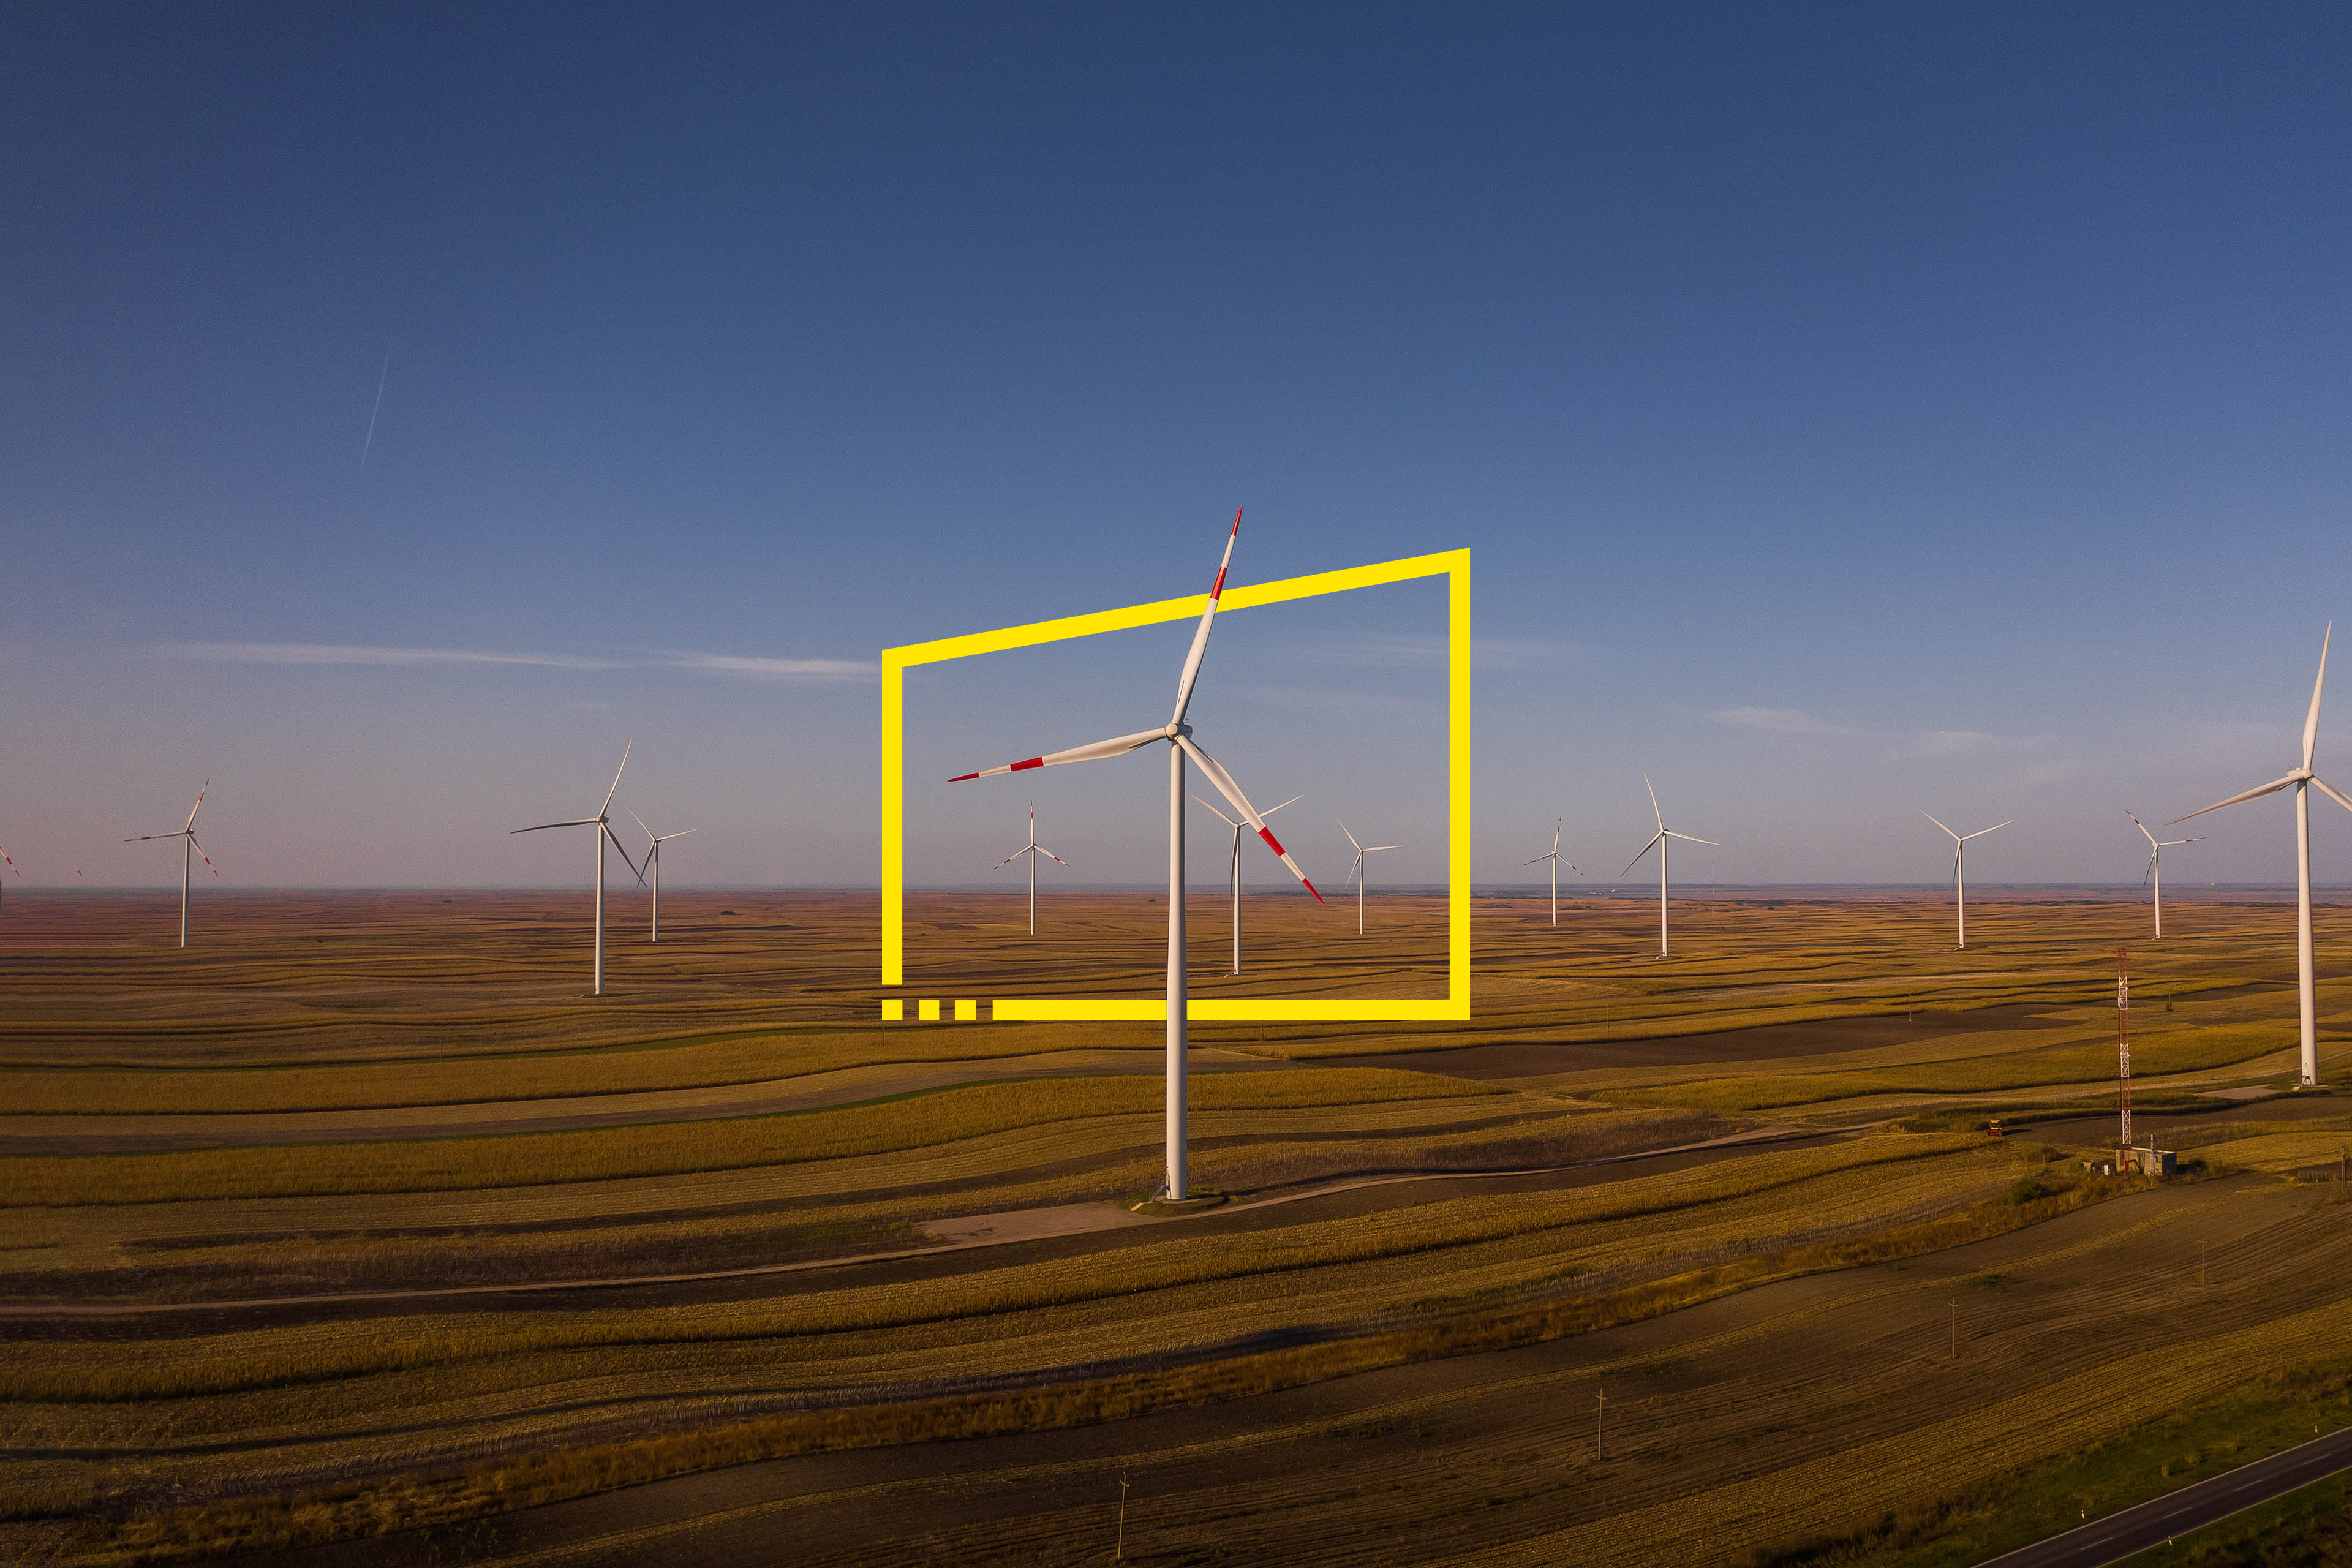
<point x="2123" y="1079"/>
<point x="1119" y="1553"/>
<point x="1956" y="1330"/>
<point x="1599" y="1410"/>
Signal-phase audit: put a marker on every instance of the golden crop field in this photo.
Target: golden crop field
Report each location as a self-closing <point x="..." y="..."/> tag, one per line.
<point x="360" y="1222"/>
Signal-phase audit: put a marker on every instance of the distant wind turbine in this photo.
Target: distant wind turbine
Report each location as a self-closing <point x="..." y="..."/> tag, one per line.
<point x="2156" y="864"/>
<point x="1357" y="871"/>
<point x="604" y="827"/>
<point x="1178" y="736"/>
<point x="1032" y="850"/>
<point x="187" y="834"/>
<point x="1236" y="826"/>
<point x="1660" y="841"/>
<point x="652" y="861"/>
<point x="1960" y="874"/>
<point x="12" y="865"/>
<point x="1556" y="864"/>
<point x="2299" y="778"/>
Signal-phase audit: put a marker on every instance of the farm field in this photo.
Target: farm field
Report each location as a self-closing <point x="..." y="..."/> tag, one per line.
<point x="361" y="1200"/>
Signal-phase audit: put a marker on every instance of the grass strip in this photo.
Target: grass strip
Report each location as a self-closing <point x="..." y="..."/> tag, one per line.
<point x="661" y="1149"/>
<point x="281" y="1522"/>
<point x="2310" y="1525"/>
<point x="2275" y="1409"/>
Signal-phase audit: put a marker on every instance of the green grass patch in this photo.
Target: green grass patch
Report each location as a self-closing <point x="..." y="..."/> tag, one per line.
<point x="2274" y="1410"/>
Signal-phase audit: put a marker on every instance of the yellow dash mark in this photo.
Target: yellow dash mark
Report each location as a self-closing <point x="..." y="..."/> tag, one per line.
<point x="967" y="1011"/>
<point x="928" y="1011"/>
<point x="894" y="1011"/>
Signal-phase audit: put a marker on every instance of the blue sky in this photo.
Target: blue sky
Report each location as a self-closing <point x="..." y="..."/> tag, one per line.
<point x="1852" y="410"/>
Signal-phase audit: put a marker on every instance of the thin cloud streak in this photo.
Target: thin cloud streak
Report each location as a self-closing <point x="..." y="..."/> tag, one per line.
<point x="317" y="654"/>
<point x="1401" y="651"/>
<point x="1782" y="722"/>
<point x="1798" y="723"/>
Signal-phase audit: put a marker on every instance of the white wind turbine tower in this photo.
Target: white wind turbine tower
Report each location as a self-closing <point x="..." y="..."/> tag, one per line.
<point x="1960" y="873"/>
<point x="653" y="858"/>
<point x="1556" y="864"/>
<point x="187" y="836"/>
<point x="1236" y="826"/>
<point x="2156" y="865"/>
<point x="603" y="828"/>
<point x="12" y="865"/>
<point x="1033" y="849"/>
<point x="2299" y="778"/>
<point x="1660" y="840"/>
<point x="1357" y="871"/>
<point x="1178" y="736"/>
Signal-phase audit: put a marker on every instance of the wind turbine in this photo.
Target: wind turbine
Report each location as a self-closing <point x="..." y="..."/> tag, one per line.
<point x="1356" y="872"/>
<point x="604" y="827"/>
<point x="1178" y="736"/>
<point x="1555" y="863"/>
<point x="2156" y="865"/>
<point x="12" y="865"/>
<point x="1659" y="838"/>
<point x="1959" y="877"/>
<point x="187" y="836"/>
<point x="653" y="857"/>
<point x="1032" y="850"/>
<point x="1236" y="826"/>
<point x="2299" y="778"/>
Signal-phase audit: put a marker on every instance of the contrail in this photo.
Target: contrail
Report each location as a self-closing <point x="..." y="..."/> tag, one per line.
<point x="368" y="443"/>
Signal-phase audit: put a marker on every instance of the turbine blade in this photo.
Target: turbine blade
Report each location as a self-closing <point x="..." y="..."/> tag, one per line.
<point x="575" y="822"/>
<point x="1351" y="838"/>
<point x="606" y="830"/>
<point x="1688" y="839"/>
<point x="202" y="855"/>
<point x="1008" y="860"/>
<point x="1200" y="637"/>
<point x="1221" y="817"/>
<point x="1653" y="802"/>
<point x="2311" y="720"/>
<point x="1931" y="816"/>
<point x="1996" y="828"/>
<point x="208" y="783"/>
<point x="1049" y="855"/>
<point x="2329" y="790"/>
<point x="641" y="824"/>
<point x="1089" y="753"/>
<point x="2255" y="793"/>
<point x="1270" y="810"/>
<point x="616" y="780"/>
<point x="680" y="834"/>
<point x="12" y="865"/>
<point x="145" y="837"/>
<point x="2144" y="876"/>
<point x="1214" y="772"/>
<point x="1637" y="860"/>
<point x="1376" y="848"/>
<point x="2142" y="826"/>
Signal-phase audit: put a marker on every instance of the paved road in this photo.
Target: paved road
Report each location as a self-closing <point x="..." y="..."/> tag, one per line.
<point x="2159" y="1520"/>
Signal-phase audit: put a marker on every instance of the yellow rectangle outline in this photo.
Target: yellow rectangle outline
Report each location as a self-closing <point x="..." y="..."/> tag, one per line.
<point x="1451" y="564"/>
